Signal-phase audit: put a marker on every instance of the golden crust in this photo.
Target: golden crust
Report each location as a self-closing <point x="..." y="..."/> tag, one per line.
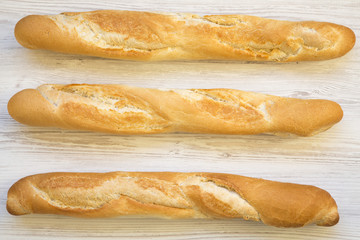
<point x="172" y="195"/>
<point x="170" y="36"/>
<point x="265" y="197"/>
<point x="132" y="110"/>
<point x="30" y="107"/>
<point x="305" y="118"/>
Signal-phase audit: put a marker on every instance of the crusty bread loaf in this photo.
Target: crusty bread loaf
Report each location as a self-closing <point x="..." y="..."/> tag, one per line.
<point x="133" y="110"/>
<point x="174" y="36"/>
<point x="172" y="195"/>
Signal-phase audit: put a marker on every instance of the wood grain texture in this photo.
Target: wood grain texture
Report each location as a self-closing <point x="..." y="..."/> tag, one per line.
<point x="330" y="160"/>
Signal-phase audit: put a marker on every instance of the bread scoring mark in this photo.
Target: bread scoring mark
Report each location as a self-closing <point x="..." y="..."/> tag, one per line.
<point x="237" y="205"/>
<point x="263" y="109"/>
<point x="226" y="105"/>
<point x="231" y="106"/>
<point x="43" y="89"/>
<point x="226" y="20"/>
<point x="142" y="190"/>
<point x="110" y="105"/>
<point x="187" y="94"/>
<point x="101" y="101"/>
<point x="92" y="33"/>
<point x="312" y="38"/>
<point x="302" y="38"/>
<point x="258" y="50"/>
<point x="212" y="20"/>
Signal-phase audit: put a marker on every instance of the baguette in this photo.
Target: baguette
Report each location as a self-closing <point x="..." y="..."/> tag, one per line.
<point x="132" y="110"/>
<point x="151" y="36"/>
<point x="172" y="195"/>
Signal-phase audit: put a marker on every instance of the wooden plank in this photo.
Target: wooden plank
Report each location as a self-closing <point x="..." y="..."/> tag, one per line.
<point x="330" y="160"/>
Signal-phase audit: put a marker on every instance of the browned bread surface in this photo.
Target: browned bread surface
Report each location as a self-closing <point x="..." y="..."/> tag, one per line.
<point x="179" y="36"/>
<point x="172" y="195"/>
<point x="132" y="110"/>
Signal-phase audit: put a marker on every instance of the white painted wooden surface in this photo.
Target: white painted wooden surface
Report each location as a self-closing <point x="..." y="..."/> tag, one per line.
<point x="330" y="160"/>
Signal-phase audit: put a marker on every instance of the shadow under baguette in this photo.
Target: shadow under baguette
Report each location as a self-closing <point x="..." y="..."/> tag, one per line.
<point x="114" y="71"/>
<point x="135" y="227"/>
<point x="226" y="146"/>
